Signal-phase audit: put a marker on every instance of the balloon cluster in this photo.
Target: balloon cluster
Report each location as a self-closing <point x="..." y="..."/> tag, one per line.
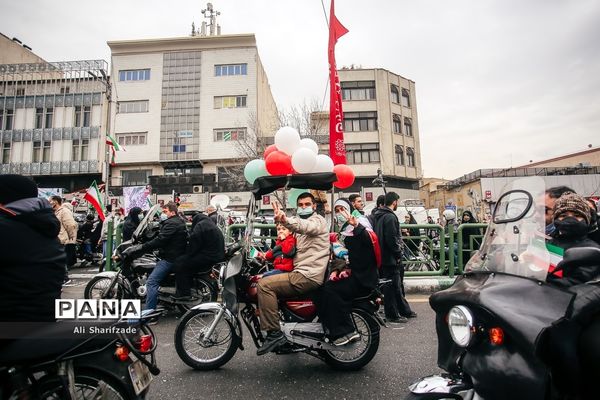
<point x="290" y="155"/>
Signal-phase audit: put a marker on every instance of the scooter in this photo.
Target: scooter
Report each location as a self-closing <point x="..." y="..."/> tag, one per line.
<point x="503" y="331"/>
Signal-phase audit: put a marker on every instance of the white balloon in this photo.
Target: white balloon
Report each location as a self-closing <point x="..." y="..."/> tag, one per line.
<point x="324" y="164"/>
<point x="310" y="144"/>
<point x="304" y="160"/>
<point x="287" y="139"/>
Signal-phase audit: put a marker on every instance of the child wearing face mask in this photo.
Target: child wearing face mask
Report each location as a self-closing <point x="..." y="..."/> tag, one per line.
<point x="282" y="255"/>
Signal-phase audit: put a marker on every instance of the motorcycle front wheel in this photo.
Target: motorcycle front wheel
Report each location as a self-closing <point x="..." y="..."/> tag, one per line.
<point x="362" y="351"/>
<point x="97" y="286"/>
<point x="88" y="385"/>
<point x="201" y="352"/>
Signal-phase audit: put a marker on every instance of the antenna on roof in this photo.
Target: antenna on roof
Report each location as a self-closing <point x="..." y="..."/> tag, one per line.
<point x="210" y="14"/>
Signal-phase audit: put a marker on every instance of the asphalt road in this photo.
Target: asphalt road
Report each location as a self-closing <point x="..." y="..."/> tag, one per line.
<point x="406" y="352"/>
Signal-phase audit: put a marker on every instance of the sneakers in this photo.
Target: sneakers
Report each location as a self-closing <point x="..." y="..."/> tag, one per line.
<point x="411" y="315"/>
<point x="348" y="338"/>
<point x="397" y="320"/>
<point x="272" y="342"/>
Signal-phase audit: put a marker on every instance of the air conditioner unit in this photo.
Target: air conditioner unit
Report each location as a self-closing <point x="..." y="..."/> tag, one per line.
<point x="197" y="189"/>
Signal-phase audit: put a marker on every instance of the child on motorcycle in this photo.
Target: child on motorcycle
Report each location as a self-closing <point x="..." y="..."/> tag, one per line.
<point x="282" y="255"/>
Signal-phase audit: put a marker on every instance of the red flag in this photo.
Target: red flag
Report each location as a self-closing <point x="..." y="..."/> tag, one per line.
<point x="337" y="150"/>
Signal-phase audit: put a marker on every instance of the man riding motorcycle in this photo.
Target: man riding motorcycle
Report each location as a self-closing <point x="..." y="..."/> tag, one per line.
<point x="171" y="242"/>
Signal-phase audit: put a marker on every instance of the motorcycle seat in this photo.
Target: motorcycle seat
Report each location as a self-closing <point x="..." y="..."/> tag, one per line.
<point x="51" y="341"/>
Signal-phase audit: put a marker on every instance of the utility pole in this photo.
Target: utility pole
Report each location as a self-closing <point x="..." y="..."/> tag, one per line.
<point x="106" y="146"/>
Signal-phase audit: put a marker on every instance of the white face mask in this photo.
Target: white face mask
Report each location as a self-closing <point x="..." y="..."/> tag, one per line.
<point x="164" y="217"/>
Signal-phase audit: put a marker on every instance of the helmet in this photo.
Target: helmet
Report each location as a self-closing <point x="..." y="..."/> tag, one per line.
<point x="449" y="214"/>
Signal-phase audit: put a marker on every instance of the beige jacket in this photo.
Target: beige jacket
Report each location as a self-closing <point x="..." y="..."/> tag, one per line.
<point x="68" y="226"/>
<point x="312" y="247"/>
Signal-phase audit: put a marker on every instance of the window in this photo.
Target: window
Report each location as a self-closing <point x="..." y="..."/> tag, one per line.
<point x="359" y="90"/>
<point x="362" y="153"/>
<point x="5" y="153"/>
<point x="87" y="116"/>
<point x="49" y="117"/>
<point x="360" y="121"/>
<point x="230" y="101"/>
<point x="80" y="150"/>
<point x="408" y="127"/>
<point x="138" y="106"/>
<point x="179" y="148"/>
<point x="1" y="119"/>
<point x="20" y="91"/>
<point x="399" y="155"/>
<point x="39" y="118"/>
<point x="395" y="94"/>
<point x="132" y="139"/>
<point x="231" y="69"/>
<point x="136" y="177"/>
<point x="46" y="151"/>
<point x="410" y="156"/>
<point x="134" y="75"/>
<point x="405" y="98"/>
<point x="37" y="152"/>
<point x="397" y="123"/>
<point x="226" y="135"/>
<point x="65" y="90"/>
<point x="9" y="119"/>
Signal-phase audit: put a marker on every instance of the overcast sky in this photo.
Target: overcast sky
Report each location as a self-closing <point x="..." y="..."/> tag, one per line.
<point x="498" y="83"/>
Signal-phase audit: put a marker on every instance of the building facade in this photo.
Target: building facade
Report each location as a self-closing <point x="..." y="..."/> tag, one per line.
<point x="381" y="131"/>
<point x="52" y="119"/>
<point x="186" y="108"/>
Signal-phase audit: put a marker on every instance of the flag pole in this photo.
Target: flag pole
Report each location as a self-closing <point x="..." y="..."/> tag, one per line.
<point x="106" y="146"/>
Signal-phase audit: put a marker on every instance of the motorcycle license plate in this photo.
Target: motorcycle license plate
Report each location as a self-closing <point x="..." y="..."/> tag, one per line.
<point x="140" y="376"/>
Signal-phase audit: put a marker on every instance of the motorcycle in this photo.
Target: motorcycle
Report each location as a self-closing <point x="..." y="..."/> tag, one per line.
<point x="129" y="281"/>
<point x="209" y="335"/>
<point x="55" y="363"/>
<point x="502" y="329"/>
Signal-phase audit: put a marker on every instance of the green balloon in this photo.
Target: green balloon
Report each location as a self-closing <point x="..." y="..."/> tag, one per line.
<point x="255" y="169"/>
<point x="293" y="194"/>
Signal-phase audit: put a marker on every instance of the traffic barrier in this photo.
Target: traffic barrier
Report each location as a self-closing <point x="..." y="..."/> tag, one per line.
<point x="475" y="241"/>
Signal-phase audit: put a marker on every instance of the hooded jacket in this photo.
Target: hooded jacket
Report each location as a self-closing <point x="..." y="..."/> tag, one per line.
<point x="387" y="228"/>
<point x="33" y="261"/>
<point x="206" y="245"/>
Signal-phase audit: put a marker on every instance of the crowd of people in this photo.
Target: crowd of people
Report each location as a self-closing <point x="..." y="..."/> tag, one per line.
<point x="334" y="268"/>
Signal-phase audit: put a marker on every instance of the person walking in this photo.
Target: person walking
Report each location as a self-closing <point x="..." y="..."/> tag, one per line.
<point x="68" y="232"/>
<point x="387" y="228"/>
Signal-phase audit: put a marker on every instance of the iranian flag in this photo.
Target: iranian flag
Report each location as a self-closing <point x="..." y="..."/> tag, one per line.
<point x="546" y="255"/>
<point x="93" y="196"/>
<point x="111" y="141"/>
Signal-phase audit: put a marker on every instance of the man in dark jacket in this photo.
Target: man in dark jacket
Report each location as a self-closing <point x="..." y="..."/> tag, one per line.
<point x="171" y="242"/>
<point x="206" y="248"/>
<point x="387" y="229"/>
<point x="30" y="280"/>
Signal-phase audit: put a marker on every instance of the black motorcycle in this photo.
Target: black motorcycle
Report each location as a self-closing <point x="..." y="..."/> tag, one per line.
<point x="503" y="331"/>
<point x="56" y="362"/>
<point x="129" y="281"/>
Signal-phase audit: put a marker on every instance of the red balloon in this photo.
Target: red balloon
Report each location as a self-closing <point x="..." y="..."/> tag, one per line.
<point x="345" y="176"/>
<point x="279" y="163"/>
<point x="269" y="150"/>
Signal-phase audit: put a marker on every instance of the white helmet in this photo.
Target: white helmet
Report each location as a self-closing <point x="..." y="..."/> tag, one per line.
<point x="449" y="215"/>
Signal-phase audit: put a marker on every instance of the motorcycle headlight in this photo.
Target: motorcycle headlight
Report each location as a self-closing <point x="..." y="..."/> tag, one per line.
<point x="461" y="325"/>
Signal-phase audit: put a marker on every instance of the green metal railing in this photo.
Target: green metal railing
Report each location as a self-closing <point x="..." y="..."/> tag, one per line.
<point x="472" y="245"/>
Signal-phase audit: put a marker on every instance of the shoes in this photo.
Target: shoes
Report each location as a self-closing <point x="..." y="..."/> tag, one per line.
<point x="411" y="315"/>
<point x="397" y="320"/>
<point x="348" y="338"/>
<point x="272" y="342"/>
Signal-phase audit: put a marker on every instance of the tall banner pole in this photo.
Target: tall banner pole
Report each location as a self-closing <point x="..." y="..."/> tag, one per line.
<point x="337" y="149"/>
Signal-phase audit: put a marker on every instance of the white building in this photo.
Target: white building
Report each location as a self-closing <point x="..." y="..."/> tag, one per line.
<point x="52" y="118"/>
<point x="182" y="105"/>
